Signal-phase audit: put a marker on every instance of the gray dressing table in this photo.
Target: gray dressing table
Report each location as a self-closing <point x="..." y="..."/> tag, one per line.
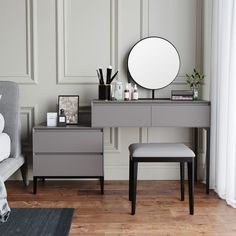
<point x="156" y="113"/>
<point x="153" y="63"/>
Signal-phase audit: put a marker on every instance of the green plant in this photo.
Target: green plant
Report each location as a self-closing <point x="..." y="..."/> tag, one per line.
<point x="195" y="79"/>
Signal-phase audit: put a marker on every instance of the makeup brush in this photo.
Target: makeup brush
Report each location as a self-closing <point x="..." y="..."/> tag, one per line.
<point x="98" y="76"/>
<point x="113" y="76"/>
<point x="109" y="70"/>
<point x="101" y="75"/>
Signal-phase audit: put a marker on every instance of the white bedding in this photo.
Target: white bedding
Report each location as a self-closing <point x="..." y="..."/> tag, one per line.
<point x="2" y="123"/>
<point x="5" y="141"/>
<point x="5" y="146"/>
<point x="4" y="207"/>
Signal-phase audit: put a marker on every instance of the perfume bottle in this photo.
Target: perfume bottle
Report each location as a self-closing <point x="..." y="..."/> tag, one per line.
<point x="61" y="118"/>
<point x="135" y="93"/>
<point x="126" y="93"/>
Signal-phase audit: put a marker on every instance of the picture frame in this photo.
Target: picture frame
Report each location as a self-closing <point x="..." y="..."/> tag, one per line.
<point x="70" y="104"/>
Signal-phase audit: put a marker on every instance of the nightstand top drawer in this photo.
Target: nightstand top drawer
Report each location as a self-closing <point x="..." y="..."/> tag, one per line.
<point x="67" y="141"/>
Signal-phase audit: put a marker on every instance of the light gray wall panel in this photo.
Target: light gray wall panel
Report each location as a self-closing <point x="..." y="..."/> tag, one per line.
<point x="14" y="15"/>
<point x="17" y="57"/>
<point x="176" y="21"/>
<point x="52" y="47"/>
<point x="84" y="42"/>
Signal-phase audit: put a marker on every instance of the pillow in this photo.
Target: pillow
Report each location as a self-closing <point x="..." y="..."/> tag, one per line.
<point x="5" y="146"/>
<point x="2" y="123"/>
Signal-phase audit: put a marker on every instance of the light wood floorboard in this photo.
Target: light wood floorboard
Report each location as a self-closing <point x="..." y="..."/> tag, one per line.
<point x="159" y="210"/>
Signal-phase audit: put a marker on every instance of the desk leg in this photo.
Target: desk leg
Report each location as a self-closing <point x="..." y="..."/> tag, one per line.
<point x="196" y="152"/>
<point x="207" y="160"/>
<point x="34" y="185"/>
<point x="102" y="184"/>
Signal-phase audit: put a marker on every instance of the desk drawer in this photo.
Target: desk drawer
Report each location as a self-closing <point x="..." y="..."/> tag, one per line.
<point x="121" y="115"/>
<point x="178" y="115"/>
<point x="67" y="165"/>
<point x="67" y="141"/>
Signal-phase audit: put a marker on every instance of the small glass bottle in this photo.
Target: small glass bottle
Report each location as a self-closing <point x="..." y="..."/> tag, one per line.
<point x="61" y="118"/>
<point x="195" y="92"/>
<point x="126" y="93"/>
<point x="118" y="90"/>
<point x="135" y="93"/>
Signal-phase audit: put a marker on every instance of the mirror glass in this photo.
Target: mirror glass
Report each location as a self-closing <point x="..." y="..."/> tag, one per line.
<point x="153" y="63"/>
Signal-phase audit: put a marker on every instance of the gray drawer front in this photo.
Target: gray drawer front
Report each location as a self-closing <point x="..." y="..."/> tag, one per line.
<point x="121" y="115"/>
<point x="67" y="165"/>
<point x="67" y="141"/>
<point x="181" y="115"/>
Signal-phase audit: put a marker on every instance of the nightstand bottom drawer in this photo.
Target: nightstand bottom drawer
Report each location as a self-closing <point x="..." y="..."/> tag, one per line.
<point x="68" y="165"/>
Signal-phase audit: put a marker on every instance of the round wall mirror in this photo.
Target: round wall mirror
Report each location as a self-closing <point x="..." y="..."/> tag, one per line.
<point x="153" y="63"/>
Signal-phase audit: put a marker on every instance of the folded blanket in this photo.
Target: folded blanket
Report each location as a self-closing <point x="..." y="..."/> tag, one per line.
<point x="4" y="211"/>
<point x="5" y="146"/>
<point x="2" y="123"/>
<point x="4" y="207"/>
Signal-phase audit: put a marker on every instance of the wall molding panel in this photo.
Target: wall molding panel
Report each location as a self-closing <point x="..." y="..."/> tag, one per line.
<point x="31" y="37"/>
<point x="145" y="31"/>
<point x="144" y="18"/>
<point x="180" y="79"/>
<point x="28" y="114"/>
<point x="63" y="75"/>
<point x="112" y="140"/>
<point x="143" y="135"/>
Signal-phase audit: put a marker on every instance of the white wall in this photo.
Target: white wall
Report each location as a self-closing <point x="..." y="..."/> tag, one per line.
<point x="53" y="47"/>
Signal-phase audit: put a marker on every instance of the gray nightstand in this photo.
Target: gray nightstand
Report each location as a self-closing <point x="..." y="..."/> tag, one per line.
<point x="67" y="152"/>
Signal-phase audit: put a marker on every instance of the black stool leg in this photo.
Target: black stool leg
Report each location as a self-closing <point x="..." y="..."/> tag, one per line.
<point x="134" y="186"/>
<point x="191" y="186"/>
<point x="130" y="178"/>
<point x="182" y="180"/>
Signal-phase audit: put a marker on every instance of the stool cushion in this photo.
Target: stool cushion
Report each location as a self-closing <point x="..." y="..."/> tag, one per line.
<point x="160" y="150"/>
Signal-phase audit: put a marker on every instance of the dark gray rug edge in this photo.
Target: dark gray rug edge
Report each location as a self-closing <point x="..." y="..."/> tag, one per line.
<point x="61" y="231"/>
<point x="38" y="221"/>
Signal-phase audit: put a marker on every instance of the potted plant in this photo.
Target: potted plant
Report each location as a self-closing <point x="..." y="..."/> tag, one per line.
<point x="194" y="81"/>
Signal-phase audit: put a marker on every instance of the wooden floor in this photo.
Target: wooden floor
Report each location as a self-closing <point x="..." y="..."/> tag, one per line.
<point x="159" y="210"/>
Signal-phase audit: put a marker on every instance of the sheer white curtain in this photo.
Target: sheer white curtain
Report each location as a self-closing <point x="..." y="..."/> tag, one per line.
<point x="223" y="98"/>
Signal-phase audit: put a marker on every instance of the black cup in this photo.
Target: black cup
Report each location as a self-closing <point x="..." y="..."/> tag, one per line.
<point x="104" y="92"/>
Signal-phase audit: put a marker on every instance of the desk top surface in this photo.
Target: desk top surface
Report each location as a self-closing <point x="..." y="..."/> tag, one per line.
<point x="153" y="102"/>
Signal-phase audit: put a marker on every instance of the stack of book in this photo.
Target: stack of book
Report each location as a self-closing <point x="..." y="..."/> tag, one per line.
<point x="182" y="95"/>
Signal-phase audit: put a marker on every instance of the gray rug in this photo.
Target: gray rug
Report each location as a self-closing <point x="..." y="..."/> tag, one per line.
<point x="37" y="222"/>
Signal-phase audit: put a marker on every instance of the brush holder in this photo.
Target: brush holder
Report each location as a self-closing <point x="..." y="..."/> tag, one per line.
<point x="104" y="92"/>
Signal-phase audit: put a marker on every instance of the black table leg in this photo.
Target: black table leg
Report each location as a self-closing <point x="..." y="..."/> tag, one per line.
<point x="208" y="160"/>
<point x="196" y="152"/>
<point x="35" y="185"/>
<point x="182" y="180"/>
<point x="102" y="184"/>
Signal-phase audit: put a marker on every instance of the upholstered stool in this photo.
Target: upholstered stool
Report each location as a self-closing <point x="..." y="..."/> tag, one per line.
<point x="161" y="152"/>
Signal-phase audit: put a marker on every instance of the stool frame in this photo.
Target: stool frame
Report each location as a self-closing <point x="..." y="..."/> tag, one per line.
<point x="133" y="172"/>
